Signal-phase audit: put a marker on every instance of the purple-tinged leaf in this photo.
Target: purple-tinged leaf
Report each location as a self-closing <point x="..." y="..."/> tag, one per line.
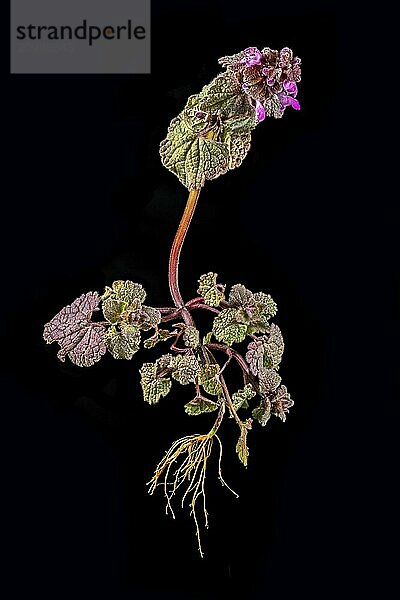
<point x="78" y="337"/>
<point x="281" y="402"/>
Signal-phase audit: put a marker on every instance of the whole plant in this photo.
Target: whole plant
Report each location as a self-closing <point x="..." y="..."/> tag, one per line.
<point x="208" y="138"/>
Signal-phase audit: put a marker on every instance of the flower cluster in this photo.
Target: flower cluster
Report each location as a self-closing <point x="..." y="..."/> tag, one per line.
<point x="212" y="134"/>
<point x="268" y="77"/>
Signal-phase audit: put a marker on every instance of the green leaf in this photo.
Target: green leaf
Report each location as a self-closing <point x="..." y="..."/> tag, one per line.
<point x="238" y="145"/>
<point x="241" y="398"/>
<point x="262" y="413"/>
<point x="128" y="291"/>
<point x="225" y="95"/>
<point x="254" y="310"/>
<point x="207" y="338"/>
<point x="241" y="446"/>
<point x="122" y="342"/>
<point x="160" y="336"/>
<point x="258" y="324"/>
<point x="126" y="297"/>
<point x="208" y="379"/>
<point x="185" y="368"/>
<point x="192" y="158"/>
<point x="113" y="309"/>
<point x="226" y="328"/>
<point x="154" y="386"/>
<point x="266" y="304"/>
<point x="209" y="290"/>
<point x="191" y="337"/>
<point x="190" y="114"/>
<point x="149" y="318"/>
<point x="199" y="405"/>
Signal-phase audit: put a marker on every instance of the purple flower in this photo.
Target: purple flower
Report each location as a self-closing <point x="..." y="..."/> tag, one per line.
<point x="269" y="77"/>
<point x="252" y="57"/>
<point x="289" y="98"/>
<point x="260" y="111"/>
<point x="291" y="88"/>
<point x="286" y="101"/>
<point x="295" y="103"/>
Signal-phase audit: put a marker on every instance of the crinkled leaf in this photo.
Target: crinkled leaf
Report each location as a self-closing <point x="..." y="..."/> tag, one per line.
<point x="252" y="309"/>
<point x="113" y="309"/>
<point x="255" y="355"/>
<point x="241" y="124"/>
<point x="269" y="380"/>
<point x="241" y="398"/>
<point x="273" y="107"/>
<point x="266" y="351"/>
<point x="185" y="368"/>
<point x="258" y="323"/>
<point x="191" y="337"/>
<point x="154" y="386"/>
<point x="233" y="61"/>
<point x="199" y="405"/>
<point x="90" y="348"/>
<point x="149" y="318"/>
<point x="265" y="308"/>
<point x="208" y="379"/>
<point x="241" y="446"/>
<point x="266" y="304"/>
<point x="123" y="341"/>
<point x="262" y="413"/>
<point x="192" y="158"/>
<point x="238" y="145"/>
<point x="208" y="289"/>
<point x="195" y="119"/>
<point x="164" y="363"/>
<point x="240" y="296"/>
<point x="160" y="336"/>
<point x="274" y="347"/>
<point x="226" y="328"/>
<point x="225" y="95"/>
<point x="126" y="291"/>
<point x="78" y="337"/>
<point x="281" y="402"/>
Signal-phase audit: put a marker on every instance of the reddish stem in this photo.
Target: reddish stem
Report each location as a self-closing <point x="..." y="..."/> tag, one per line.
<point x="230" y="351"/>
<point x="173" y="268"/>
<point x="204" y="307"/>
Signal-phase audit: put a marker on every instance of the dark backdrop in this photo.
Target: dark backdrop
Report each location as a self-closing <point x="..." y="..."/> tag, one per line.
<point x="304" y="218"/>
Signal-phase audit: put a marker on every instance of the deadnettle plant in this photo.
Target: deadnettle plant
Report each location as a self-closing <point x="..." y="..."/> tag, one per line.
<point x="209" y="137"/>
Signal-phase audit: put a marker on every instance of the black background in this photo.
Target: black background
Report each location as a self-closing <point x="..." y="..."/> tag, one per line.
<point x="306" y="218"/>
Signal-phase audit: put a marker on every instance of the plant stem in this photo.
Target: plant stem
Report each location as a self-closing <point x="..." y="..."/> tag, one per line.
<point x="218" y="421"/>
<point x="173" y="268"/>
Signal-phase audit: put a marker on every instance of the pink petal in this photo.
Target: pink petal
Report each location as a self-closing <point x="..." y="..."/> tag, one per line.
<point x="290" y="87"/>
<point x="260" y="111"/>
<point x="252" y="56"/>
<point x="285" y="100"/>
